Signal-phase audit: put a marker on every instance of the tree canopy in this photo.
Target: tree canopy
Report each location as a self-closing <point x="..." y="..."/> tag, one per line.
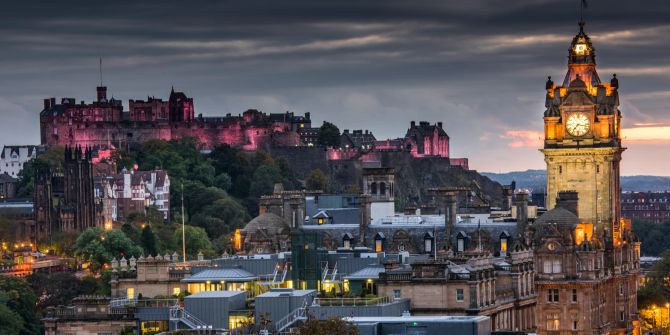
<point x="329" y="135"/>
<point x="99" y="246"/>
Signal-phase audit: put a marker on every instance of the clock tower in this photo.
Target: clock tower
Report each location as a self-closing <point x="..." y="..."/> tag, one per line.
<point x="582" y="142"/>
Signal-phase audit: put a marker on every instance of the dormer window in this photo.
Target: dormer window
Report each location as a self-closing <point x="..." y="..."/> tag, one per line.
<point x="504" y="239"/>
<point x="346" y="241"/>
<point x="460" y="242"/>
<point x="428" y="239"/>
<point x="379" y="242"/>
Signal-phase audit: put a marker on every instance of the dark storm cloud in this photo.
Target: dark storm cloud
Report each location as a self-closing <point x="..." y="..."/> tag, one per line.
<point x="479" y="66"/>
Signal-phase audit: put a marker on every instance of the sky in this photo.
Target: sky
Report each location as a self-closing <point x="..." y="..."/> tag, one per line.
<point x="478" y="66"/>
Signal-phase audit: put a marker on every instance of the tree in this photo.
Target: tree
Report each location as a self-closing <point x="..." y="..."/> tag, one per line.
<point x="332" y="326"/>
<point x="51" y="159"/>
<point x="196" y="241"/>
<point x="58" y="288"/>
<point x="98" y="247"/>
<point x="16" y="294"/>
<point x="329" y="135"/>
<point x="221" y="217"/>
<point x="317" y="180"/>
<point x="264" y="180"/>
<point x="223" y="181"/>
<point x="148" y="241"/>
<point x="10" y="321"/>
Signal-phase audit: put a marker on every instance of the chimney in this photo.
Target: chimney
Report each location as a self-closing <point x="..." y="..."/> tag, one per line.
<point x="412" y="124"/>
<point x="439" y="125"/>
<point x="307" y="115"/>
<point x="53" y="102"/>
<point x="365" y="218"/>
<point x="568" y="200"/>
<point x="47" y="103"/>
<point x="102" y="93"/>
<point x="451" y="206"/>
<point x="521" y="204"/>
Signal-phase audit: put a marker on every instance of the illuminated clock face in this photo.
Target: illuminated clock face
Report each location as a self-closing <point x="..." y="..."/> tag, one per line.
<point x="580" y="49"/>
<point x="578" y="124"/>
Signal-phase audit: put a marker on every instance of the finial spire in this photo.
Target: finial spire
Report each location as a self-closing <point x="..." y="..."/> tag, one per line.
<point x="582" y="5"/>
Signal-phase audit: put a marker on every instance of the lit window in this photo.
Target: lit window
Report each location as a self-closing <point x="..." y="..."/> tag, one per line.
<point x="378" y="245"/>
<point x="553" y="322"/>
<point x="130" y="293"/>
<point x="503" y="244"/>
<point x="176" y="291"/>
<point x="319" y="220"/>
<point x="460" y="296"/>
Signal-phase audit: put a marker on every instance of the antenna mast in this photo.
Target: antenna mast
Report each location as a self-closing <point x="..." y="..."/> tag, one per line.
<point x="100" y="69"/>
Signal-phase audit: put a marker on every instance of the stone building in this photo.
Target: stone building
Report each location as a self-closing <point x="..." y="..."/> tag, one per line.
<point x="13" y="157"/>
<point x="587" y="256"/>
<point x="64" y="199"/>
<point x="87" y="315"/>
<point x="470" y="283"/>
<point x="133" y="192"/>
<point x="646" y="206"/>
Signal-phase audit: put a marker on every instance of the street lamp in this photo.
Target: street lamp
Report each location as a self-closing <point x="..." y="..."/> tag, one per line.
<point x="667" y="307"/>
<point x="653" y="310"/>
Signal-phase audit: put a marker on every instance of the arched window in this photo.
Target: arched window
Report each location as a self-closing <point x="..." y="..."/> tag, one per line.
<point x="382" y="188"/>
<point x="373" y="188"/>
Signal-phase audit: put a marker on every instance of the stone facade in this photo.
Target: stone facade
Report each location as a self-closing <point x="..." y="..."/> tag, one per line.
<point x="103" y="123"/>
<point x="587" y="257"/>
<point x="64" y="199"/>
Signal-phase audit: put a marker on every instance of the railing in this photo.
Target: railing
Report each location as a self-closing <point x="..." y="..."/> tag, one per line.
<point x="291" y="318"/>
<point x="352" y="301"/>
<point x="178" y="314"/>
<point x="122" y="302"/>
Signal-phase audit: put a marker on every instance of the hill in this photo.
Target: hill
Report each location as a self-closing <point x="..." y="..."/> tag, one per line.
<point x="536" y="180"/>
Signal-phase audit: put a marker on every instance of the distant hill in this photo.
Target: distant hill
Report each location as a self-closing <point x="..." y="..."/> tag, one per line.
<point x="536" y="180"/>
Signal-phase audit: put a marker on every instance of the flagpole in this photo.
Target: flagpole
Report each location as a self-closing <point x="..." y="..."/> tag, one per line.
<point x="183" y="226"/>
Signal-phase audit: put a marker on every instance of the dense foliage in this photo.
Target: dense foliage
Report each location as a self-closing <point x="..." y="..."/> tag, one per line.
<point x="332" y="326"/>
<point x="17" y="307"/>
<point x="329" y="135"/>
<point x="653" y="236"/>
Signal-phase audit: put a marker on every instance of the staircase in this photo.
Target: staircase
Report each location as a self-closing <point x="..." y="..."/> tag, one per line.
<point x="178" y="314"/>
<point x="299" y="314"/>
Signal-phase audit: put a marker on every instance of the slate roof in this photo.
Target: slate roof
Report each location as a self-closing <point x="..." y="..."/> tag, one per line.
<point x="366" y="273"/>
<point x="216" y="275"/>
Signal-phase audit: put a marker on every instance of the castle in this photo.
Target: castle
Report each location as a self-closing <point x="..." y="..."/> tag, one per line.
<point x="104" y="124"/>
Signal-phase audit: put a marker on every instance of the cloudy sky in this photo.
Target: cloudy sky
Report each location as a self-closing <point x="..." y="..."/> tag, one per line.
<point x="479" y="66"/>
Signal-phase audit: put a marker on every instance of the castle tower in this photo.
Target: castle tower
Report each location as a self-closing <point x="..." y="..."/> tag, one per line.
<point x="582" y="145"/>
